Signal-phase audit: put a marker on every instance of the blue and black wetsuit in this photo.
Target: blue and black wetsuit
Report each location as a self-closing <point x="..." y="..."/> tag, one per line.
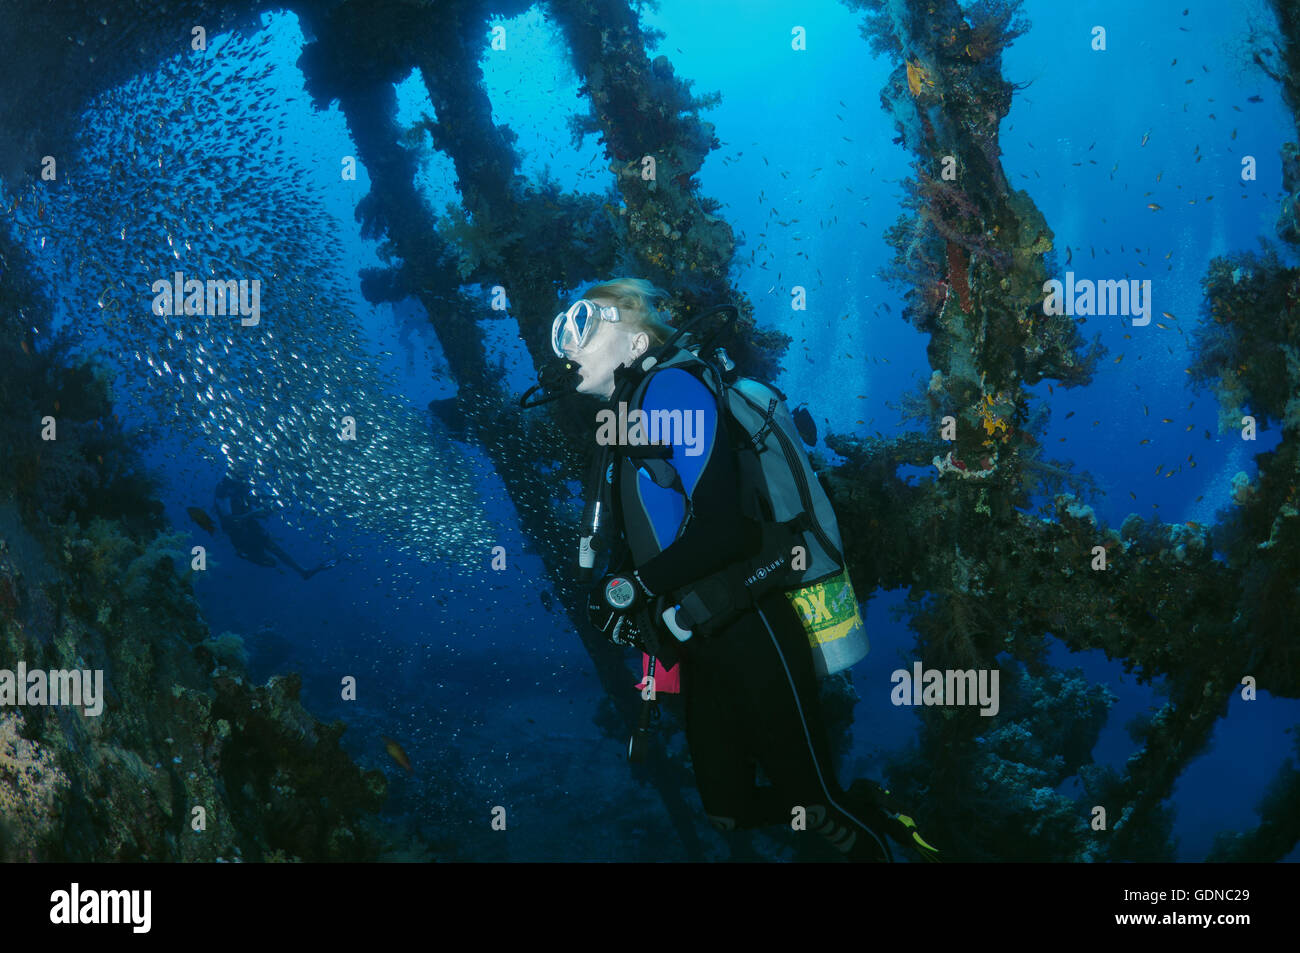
<point x="750" y="689"/>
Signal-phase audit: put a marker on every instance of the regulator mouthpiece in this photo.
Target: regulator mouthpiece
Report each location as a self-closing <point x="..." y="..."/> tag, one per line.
<point x="556" y="379"/>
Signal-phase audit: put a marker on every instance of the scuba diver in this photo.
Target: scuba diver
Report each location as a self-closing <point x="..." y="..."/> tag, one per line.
<point x="680" y="577"/>
<point x="237" y="510"/>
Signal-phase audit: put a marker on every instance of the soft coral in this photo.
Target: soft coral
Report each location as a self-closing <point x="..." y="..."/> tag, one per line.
<point x="958" y="274"/>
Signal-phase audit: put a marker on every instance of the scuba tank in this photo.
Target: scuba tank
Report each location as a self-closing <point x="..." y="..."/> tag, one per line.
<point x="801" y="551"/>
<point x="816" y="579"/>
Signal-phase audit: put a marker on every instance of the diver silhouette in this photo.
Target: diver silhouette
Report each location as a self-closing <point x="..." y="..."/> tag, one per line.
<point x="239" y="515"/>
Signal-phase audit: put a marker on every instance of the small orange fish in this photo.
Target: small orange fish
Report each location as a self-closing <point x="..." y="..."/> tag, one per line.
<point x="396" y="753"/>
<point x="1153" y="206"/>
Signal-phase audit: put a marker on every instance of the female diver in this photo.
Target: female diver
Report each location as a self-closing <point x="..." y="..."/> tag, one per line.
<point x="749" y="688"/>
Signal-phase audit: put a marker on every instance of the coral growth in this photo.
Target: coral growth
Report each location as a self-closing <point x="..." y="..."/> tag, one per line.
<point x="987" y="577"/>
<point x="995" y="795"/>
<point x="88" y="581"/>
<point x="31" y="786"/>
<point x="958" y="263"/>
<point x="1253" y="303"/>
<point x="477" y="240"/>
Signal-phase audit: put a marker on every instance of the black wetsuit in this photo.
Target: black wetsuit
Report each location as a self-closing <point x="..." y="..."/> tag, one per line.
<point x="750" y="690"/>
<point x="238" y="513"/>
<point x="233" y="502"/>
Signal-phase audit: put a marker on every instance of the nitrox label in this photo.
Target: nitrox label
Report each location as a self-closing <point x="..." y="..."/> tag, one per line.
<point x="829" y="609"/>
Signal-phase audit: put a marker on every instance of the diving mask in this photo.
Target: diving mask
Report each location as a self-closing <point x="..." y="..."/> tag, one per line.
<point x="574" y="328"/>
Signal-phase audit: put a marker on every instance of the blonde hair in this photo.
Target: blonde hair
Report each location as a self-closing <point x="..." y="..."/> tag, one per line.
<point x="635" y="299"/>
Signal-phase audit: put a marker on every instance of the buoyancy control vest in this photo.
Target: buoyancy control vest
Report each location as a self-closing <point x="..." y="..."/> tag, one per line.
<point x="800" y="552"/>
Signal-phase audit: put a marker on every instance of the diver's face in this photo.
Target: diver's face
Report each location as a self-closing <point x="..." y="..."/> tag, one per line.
<point x="610" y="347"/>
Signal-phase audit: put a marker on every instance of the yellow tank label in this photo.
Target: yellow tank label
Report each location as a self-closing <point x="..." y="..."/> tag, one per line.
<point x="829" y="609"/>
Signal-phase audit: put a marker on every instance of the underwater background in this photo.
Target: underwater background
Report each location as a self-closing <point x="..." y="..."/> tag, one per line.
<point x="497" y="156"/>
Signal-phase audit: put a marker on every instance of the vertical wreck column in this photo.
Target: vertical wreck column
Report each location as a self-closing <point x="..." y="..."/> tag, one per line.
<point x="650" y="126"/>
<point x="972" y="253"/>
<point x="395" y="207"/>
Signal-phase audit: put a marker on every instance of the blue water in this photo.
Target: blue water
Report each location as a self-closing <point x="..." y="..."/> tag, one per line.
<point x="456" y="668"/>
